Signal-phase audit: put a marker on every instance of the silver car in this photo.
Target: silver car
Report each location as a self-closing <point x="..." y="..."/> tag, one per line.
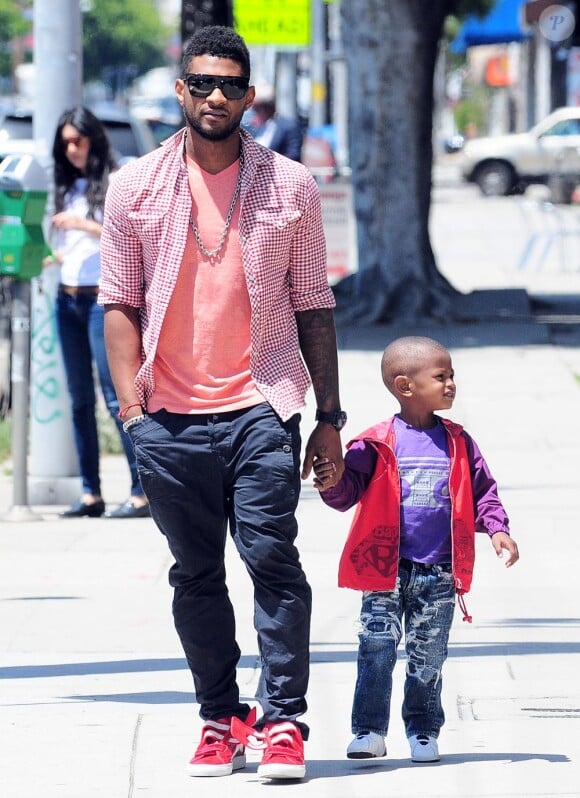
<point x="549" y="153"/>
<point x="130" y="137"/>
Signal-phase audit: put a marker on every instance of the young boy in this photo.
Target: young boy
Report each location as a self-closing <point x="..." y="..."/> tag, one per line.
<point x="422" y="488"/>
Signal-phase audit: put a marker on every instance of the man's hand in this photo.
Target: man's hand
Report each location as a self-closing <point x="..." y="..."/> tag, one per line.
<point x="325" y="445"/>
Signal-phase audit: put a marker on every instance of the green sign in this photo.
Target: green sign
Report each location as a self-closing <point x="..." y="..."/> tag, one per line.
<point x="282" y="22"/>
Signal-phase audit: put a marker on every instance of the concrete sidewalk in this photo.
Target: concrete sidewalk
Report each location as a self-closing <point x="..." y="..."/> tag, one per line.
<point x="95" y="695"/>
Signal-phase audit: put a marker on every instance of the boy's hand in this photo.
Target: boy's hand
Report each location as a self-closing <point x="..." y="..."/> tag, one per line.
<point x="324" y="473"/>
<point x="324" y="444"/>
<point x="501" y="541"/>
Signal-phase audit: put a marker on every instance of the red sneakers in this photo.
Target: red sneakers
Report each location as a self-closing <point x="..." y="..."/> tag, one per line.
<point x="219" y="752"/>
<point x="283" y="756"/>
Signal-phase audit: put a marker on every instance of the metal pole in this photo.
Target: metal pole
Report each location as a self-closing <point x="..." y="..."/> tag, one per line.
<point x="53" y="465"/>
<point x="59" y="64"/>
<point x="339" y="79"/>
<point x="20" y="511"/>
<point x="543" y="59"/>
<point x="286" y="68"/>
<point x="318" y="65"/>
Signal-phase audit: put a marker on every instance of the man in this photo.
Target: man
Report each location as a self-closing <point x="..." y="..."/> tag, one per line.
<point x="214" y="282"/>
<point x="272" y="130"/>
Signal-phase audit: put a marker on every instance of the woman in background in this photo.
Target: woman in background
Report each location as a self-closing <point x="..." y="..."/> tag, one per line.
<point x="83" y="163"/>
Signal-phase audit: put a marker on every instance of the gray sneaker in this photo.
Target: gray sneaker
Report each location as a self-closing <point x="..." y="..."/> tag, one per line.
<point x="424" y="748"/>
<point x="366" y="745"/>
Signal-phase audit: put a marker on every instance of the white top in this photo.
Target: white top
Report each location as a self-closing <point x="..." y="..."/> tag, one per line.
<point x="80" y="251"/>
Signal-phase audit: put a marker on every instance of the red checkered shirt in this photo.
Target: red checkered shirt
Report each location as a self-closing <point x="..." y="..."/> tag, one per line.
<point x="147" y="216"/>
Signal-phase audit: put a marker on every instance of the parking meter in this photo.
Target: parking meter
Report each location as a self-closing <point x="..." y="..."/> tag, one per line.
<point x="23" y="196"/>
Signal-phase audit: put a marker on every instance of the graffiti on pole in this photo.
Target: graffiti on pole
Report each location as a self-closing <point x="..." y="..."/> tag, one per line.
<point x="47" y="388"/>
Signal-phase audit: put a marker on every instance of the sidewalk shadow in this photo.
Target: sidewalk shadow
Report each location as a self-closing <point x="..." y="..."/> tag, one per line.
<point x="553" y="320"/>
<point x="252" y="661"/>
<point x="91" y="668"/>
<point x="345" y="768"/>
<point x="107" y="667"/>
<point x="151" y="698"/>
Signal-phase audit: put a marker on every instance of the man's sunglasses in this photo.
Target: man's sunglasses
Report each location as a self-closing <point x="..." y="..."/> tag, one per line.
<point x="204" y="85"/>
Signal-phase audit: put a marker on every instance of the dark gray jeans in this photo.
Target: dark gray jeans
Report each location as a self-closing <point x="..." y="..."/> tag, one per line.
<point x="201" y="474"/>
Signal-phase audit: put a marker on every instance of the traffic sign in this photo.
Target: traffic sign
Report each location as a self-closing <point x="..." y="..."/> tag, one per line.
<point x="281" y="22"/>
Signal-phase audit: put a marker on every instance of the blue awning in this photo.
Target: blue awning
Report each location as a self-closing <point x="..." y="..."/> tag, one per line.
<point x="502" y="24"/>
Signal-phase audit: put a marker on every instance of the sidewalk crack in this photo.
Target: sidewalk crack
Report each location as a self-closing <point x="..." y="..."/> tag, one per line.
<point x="134" y="756"/>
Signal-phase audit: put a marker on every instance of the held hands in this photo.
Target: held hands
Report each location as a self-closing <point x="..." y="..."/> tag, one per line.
<point x="501" y="541"/>
<point x="324" y="473"/>
<point x="324" y="454"/>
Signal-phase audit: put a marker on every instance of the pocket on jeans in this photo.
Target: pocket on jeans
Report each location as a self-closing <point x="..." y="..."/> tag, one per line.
<point x="141" y="428"/>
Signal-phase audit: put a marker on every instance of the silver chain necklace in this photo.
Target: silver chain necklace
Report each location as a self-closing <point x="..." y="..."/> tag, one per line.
<point x="213" y="253"/>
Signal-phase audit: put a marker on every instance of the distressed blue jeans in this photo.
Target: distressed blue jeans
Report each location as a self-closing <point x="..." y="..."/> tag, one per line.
<point x="424" y="601"/>
<point x="239" y="470"/>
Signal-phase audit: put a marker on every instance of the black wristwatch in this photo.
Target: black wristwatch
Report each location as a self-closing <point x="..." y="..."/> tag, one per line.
<point x="337" y="419"/>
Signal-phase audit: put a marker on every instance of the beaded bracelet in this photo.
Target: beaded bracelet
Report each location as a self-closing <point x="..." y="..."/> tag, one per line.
<point x="124" y="410"/>
<point x="132" y="421"/>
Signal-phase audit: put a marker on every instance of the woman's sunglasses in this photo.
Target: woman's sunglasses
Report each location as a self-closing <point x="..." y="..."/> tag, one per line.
<point x="203" y="85"/>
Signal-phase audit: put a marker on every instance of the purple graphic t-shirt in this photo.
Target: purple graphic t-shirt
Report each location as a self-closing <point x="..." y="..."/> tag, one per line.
<point x="426" y="512"/>
<point x="423" y="460"/>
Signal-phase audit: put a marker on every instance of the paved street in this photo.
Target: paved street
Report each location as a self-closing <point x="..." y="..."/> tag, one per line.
<point x="505" y="242"/>
<point x="95" y="698"/>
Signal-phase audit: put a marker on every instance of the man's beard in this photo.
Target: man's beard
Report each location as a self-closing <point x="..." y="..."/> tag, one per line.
<point x="212" y="134"/>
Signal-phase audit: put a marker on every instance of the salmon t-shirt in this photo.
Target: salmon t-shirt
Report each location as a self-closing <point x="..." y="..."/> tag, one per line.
<point x="202" y="364"/>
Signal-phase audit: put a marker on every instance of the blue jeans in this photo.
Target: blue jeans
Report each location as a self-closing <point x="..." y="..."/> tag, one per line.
<point x="203" y="474"/>
<point x="80" y="324"/>
<point x="425" y="598"/>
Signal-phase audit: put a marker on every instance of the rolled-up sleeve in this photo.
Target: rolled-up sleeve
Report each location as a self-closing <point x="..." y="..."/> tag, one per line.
<point x="121" y="252"/>
<point x="309" y="287"/>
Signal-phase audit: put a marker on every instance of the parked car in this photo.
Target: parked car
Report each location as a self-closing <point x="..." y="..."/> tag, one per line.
<point x="454" y="143"/>
<point x="163" y="115"/>
<point x="130" y="137"/>
<point x="549" y="153"/>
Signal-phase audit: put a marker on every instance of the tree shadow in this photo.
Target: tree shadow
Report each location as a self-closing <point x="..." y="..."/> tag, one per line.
<point x="502" y="317"/>
<point x="252" y="661"/>
<point x="92" y="668"/>
<point x="536" y="622"/>
<point x="153" y="698"/>
<point x="107" y="667"/>
<point x="514" y="649"/>
<point x="461" y="650"/>
<point x="43" y="598"/>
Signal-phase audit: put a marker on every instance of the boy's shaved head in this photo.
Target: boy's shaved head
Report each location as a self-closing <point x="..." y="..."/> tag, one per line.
<point x="405" y="355"/>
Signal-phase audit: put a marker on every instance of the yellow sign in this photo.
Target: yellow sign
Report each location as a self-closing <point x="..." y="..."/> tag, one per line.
<point x="318" y="92"/>
<point x="283" y="22"/>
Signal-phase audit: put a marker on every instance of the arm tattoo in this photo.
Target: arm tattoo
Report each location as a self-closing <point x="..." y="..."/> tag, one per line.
<point x="317" y="336"/>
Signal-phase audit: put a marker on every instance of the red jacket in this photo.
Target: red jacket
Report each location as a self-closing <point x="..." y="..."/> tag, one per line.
<point x="370" y="557"/>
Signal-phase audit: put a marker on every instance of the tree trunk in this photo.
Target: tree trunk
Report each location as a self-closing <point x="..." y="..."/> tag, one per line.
<point x="391" y="48"/>
<point x="197" y="14"/>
